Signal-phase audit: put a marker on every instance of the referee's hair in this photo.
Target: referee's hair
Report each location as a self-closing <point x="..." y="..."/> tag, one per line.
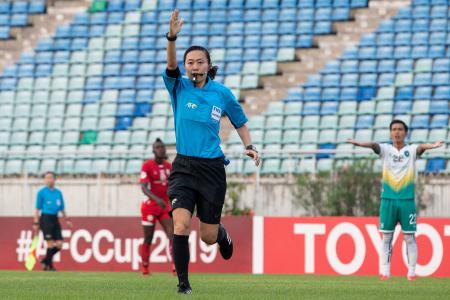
<point x="50" y="172"/>
<point x="158" y="140"/>
<point x="397" y="121"/>
<point x="213" y="70"/>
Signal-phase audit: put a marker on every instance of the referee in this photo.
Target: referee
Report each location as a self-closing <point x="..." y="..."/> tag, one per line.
<point x="198" y="176"/>
<point x="49" y="202"/>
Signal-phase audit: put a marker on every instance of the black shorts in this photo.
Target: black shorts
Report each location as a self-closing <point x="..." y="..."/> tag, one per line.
<point x="198" y="182"/>
<point x="50" y="227"/>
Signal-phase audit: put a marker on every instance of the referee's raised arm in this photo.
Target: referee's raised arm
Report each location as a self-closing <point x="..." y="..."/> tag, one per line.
<point x="174" y="28"/>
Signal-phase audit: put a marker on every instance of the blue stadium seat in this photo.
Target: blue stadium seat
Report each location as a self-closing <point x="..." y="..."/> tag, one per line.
<point x="4" y="20"/>
<point x="142" y="109"/>
<point x="19" y="20"/>
<point x="402" y="107"/>
<point x="365" y="121"/>
<point x="386" y="66"/>
<point x="201" y="4"/>
<point x="5" y="7"/>
<point x="435" y="165"/>
<point x="331" y="80"/>
<point x="322" y="27"/>
<point x="329" y="108"/>
<point x="405" y="65"/>
<point x="340" y="14"/>
<point x="19" y="7"/>
<point x="368" y="40"/>
<point x="420" y="121"/>
<point x="311" y="108"/>
<point x="368" y="79"/>
<point x="145" y="82"/>
<point x="385" y="39"/>
<point x="312" y="94"/>
<point x="366" y="93"/>
<point x="349" y="94"/>
<point x="386" y="26"/>
<point x="115" y="5"/>
<point x="385" y="52"/>
<point x="131" y="5"/>
<point x="386" y="79"/>
<point x="325" y="147"/>
<point x="422" y="79"/>
<point x="404" y="93"/>
<point x="403" y="39"/>
<point x="330" y="94"/>
<point x="423" y="92"/>
<point x="402" y="52"/>
<point x="349" y="66"/>
<point x="442" y="93"/>
<point x="123" y="123"/>
<point x="349" y="80"/>
<point x="441" y="120"/>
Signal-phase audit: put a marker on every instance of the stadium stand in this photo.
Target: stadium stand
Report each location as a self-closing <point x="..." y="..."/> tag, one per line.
<point x="95" y="86"/>
<point x="399" y="71"/>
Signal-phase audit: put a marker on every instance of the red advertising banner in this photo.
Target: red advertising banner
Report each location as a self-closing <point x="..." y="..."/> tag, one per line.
<point x="112" y="244"/>
<point x="349" y="246"/>
<point x="322" y="245"/>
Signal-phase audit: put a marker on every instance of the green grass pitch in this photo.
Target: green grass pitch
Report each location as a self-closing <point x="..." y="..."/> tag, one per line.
<point x="96" y="285"/>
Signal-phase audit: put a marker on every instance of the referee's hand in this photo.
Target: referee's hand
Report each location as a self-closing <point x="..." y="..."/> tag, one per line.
<point x="254" y="155"/>
<point x="175" y="23"/>
<point x="35" y="229"/>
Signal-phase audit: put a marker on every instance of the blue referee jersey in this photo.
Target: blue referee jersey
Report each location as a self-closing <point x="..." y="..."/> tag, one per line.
<point x="197" y="114"/>
<point x="50" y="201"/>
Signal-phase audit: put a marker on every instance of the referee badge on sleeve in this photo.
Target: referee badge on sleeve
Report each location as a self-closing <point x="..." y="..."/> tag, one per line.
<point x="216" y="113"/>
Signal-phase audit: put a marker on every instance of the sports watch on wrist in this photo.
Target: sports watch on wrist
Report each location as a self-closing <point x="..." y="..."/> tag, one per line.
<point x="171" y="38"/>
<point x="251" y="147"/>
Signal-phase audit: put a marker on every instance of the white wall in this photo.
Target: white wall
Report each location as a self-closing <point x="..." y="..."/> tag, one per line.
<point x="122" y="196"/>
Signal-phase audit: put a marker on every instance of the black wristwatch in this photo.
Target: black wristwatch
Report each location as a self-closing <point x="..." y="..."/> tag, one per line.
<point x="251" y="147"/>
<point x="171" y="38"/>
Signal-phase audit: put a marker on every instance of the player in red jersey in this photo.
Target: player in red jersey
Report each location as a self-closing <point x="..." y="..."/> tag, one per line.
<point x="154" y="183"/>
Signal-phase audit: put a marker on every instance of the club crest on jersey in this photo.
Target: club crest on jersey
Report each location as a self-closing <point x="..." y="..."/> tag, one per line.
<point x="216" y="113"/>
<point x="191" y="105"/>
<point x="407" y="153"/>
<point x="143" y="175"/>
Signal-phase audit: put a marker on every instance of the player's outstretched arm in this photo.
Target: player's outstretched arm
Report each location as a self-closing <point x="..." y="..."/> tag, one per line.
<point x="374" y="146"/>
<point x="174" y="28"/>
<point x="424" y="147"/>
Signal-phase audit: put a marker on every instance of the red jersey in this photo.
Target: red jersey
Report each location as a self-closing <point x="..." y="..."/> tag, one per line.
<point x="157" y="177"/>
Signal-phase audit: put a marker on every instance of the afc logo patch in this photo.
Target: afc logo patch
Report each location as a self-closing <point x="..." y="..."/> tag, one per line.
<point x="216" y="113"/>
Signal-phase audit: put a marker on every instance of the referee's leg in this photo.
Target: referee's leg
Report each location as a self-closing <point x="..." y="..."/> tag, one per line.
<point x="216" y="233"/>
<point x="182" y="224"/>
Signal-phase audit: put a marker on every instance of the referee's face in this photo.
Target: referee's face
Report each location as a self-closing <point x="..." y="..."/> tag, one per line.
<point x="159" y="150"/>
<point x="49" y="179"/>
<point x="196" y="63"/>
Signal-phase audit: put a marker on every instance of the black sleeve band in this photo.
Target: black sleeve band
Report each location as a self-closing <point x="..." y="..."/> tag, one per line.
<point x="173" y="73"/>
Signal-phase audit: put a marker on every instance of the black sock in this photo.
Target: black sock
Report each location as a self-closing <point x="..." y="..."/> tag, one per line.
<point x="221" y="234"/>
<point x="181" y="257"/>
<point x="53" y="251"/>
<point x="48" y="256"/>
